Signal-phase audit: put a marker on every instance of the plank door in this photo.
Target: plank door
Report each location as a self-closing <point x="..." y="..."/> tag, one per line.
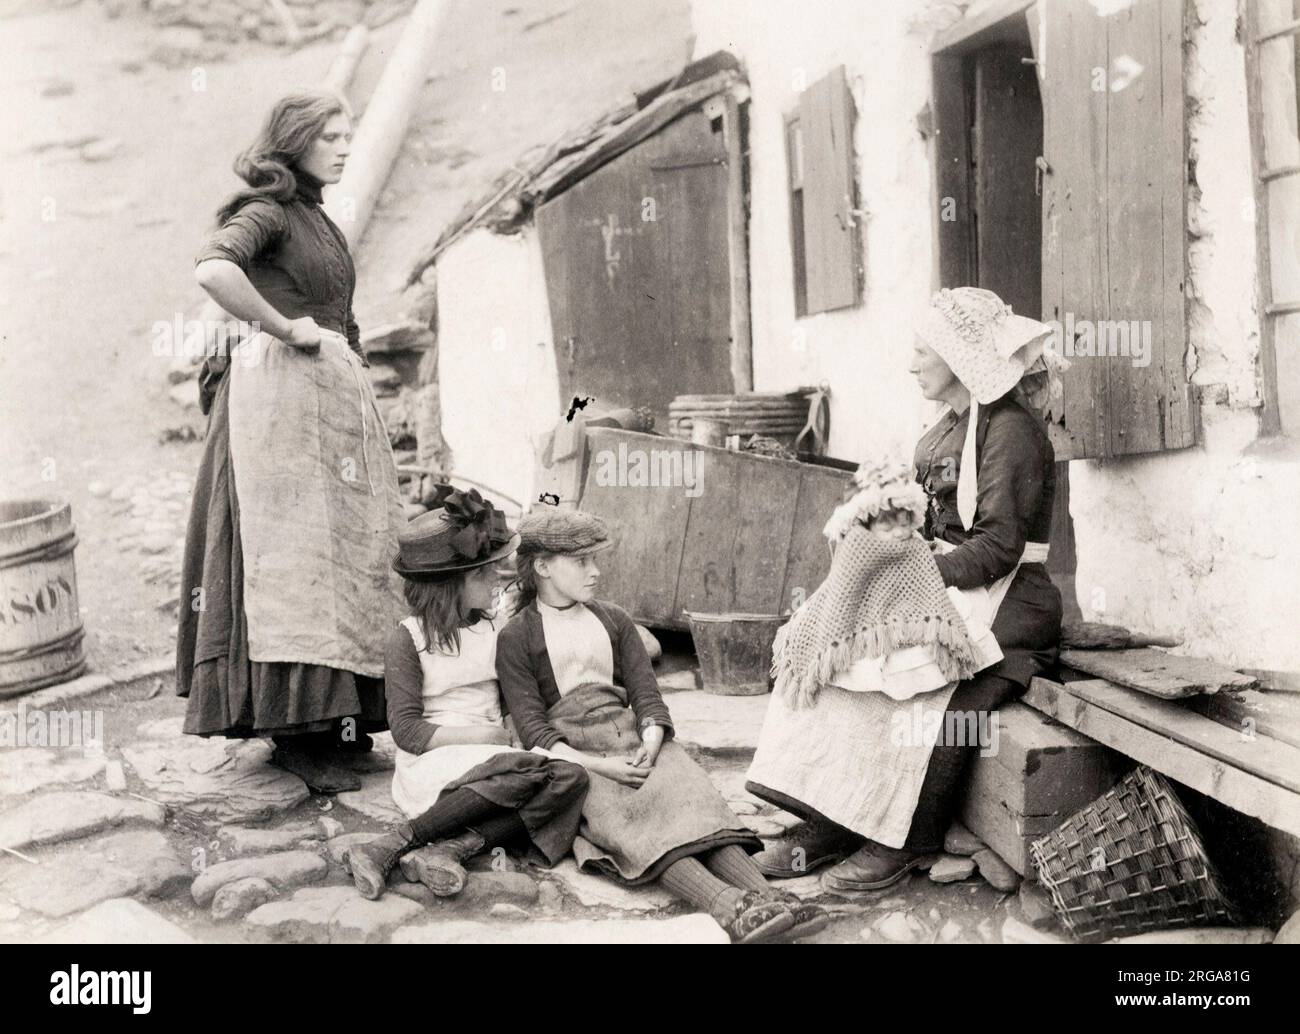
<point x="638" y="272"/>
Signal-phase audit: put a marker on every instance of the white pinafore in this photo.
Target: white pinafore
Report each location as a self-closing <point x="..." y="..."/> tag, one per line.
<point x="459" y="690"/>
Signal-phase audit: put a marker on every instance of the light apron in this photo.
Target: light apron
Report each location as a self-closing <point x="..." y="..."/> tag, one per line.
<point x="860" y="757"/>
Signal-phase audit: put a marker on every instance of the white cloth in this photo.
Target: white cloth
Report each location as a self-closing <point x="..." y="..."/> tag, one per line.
<point x="459" y="690"/>
<point x="319" y="507"/>
<point x="579" y="647"/>
<point x="859" y="756"/>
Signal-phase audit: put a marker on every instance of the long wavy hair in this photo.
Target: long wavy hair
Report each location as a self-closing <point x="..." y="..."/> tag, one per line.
<point x="270" y="165"/>
<point x="439" y="607"/>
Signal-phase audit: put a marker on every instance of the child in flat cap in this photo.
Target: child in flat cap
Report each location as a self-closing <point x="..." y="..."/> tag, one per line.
<point x="579" y="684"/>
<point x="460" y="783"/>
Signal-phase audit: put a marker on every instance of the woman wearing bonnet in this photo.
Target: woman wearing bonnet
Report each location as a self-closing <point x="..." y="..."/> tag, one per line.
<point x="912" y="632"/>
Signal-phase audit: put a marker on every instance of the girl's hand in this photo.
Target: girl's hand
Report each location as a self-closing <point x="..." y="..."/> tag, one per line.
<point x="652" y="742"/>
<point x="622" y="771"/>
<point x="304" y="334"/>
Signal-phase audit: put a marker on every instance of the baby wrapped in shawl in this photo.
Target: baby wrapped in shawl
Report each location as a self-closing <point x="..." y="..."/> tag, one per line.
<point x="883" y="621"/>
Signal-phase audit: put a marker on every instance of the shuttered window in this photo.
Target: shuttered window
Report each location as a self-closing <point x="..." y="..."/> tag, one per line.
<point x="825" y="238"/>
<point x="1114" y="223"/>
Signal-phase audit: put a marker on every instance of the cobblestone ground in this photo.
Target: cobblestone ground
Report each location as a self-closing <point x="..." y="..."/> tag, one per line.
<point x="152" y="835"/>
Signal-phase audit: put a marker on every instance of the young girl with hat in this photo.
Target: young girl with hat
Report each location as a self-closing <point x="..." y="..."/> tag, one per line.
<point x="579" y="685"/>
<point x="462" y="786"/>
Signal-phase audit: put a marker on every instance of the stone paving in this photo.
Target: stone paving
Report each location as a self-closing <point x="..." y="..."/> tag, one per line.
<point x="168" y="838"/>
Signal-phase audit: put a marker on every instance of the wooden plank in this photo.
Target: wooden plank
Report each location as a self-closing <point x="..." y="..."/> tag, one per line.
<point x="1151" y="407"/>
<point x="1074" y="208"/>
<point x="649" y="524"/>
<point x="1227" y="784"/>
<point x="1252" y="712"/>
<point x="831" y="233"/>
<point x="742" y="357"/>
<point x="1277" y="762"/>
<point x="1157" y="673"/>
<point x="955" y="242"/>
<point x="821" y="489"/>
<point x="737" y="539"/>
<point x="1098" y="635"/>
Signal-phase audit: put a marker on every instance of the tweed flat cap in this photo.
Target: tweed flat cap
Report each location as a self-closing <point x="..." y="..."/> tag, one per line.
<point x="566" y="532"/>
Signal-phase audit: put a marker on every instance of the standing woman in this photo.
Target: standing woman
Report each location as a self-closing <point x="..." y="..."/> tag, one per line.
<point x="286" y="594"/>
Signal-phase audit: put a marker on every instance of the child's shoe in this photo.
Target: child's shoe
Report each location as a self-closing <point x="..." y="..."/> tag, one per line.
<point x="758" y="919"/>
<point x="371" y="863"/>
<point x="438" y="866"/>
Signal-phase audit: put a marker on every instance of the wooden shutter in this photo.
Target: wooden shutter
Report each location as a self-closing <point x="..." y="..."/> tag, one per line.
<point x="1114" y="217"/>
<point x="831" y="236"/>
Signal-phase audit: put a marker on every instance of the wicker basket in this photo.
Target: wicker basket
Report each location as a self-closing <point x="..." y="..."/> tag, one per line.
<point x="1130" y="862"/>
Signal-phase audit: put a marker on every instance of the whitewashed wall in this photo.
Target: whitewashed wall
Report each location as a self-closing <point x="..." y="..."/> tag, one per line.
<point x="1195" y="543"/>
<point x="496" y="366"/>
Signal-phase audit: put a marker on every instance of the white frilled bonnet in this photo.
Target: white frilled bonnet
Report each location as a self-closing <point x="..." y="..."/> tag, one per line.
<point x="989" y="349"/>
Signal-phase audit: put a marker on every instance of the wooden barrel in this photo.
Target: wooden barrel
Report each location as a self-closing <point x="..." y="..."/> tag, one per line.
<point x="40" y="621"/>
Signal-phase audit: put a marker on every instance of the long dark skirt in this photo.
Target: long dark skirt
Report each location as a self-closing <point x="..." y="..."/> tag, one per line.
<point x="229" y="694"/>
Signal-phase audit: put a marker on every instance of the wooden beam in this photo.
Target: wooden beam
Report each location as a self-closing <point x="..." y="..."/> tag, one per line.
<point x="1270" y="417"/>
<point x="1225" y="783"/>
<point x="742" y="356"/>
<point x="1279" y="763"/>
<point x="976" y="30"/>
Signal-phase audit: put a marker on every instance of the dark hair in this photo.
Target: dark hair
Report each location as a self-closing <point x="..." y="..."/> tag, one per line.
<point x="269" y="165"/>
<point x="526" y="578"/>
<point x="439" y="607"/>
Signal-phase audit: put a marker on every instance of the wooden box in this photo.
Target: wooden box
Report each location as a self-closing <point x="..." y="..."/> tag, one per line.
<point x="1042" y="773"/>
<point x="707" y="529"/>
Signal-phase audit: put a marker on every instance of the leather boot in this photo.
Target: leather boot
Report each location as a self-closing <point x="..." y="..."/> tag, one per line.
<point x="874" y="866"/>
<point x="371" y="863"/>
<point x="804" y="848"/>
<point x="310" y="765"/>
<point x="438" y="866"/>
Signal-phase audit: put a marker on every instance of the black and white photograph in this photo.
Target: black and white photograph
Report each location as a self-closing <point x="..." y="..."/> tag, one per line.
<point x="652" y="472"/>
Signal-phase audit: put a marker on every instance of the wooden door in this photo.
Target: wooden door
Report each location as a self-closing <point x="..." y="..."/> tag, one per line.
<point x="638" y="272"/>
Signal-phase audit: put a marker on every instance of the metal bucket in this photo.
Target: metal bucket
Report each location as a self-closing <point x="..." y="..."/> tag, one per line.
<point x="735" y="651"/>
<point x="40" y="621"/>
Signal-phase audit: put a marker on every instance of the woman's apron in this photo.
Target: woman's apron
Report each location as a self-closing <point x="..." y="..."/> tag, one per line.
<point x="633" y="835"/>
<point x="319" y="507"/>
<point x="860" y="758"/>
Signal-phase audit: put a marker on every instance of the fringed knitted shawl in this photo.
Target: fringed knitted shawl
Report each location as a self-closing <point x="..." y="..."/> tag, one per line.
<point x="881" y="595"/>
